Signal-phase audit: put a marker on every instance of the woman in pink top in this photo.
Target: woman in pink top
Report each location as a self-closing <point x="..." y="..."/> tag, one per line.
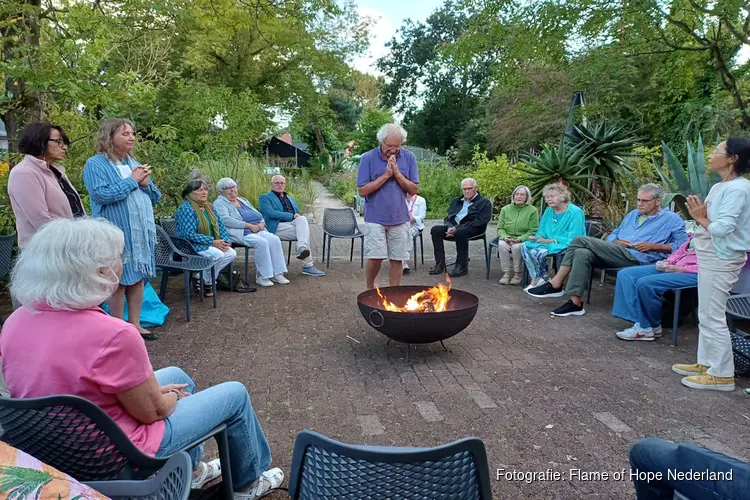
<point x="640" y="288"/>
<point x="38" y="189"/>
<point x="61" y="342"/>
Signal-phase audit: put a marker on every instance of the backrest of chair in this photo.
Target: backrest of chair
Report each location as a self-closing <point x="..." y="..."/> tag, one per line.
<point x="324" y="468"/>
<point x="169" y="225"/>
<point x="72" y="435"/>
<point x="6" y="253"/>
<point x="163" y="251"/>
<point x="339" y="221"/>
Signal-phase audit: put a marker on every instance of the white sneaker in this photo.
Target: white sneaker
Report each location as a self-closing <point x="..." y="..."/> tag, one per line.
<point x="627" y="331"/>
<point x="280" y="279"/>
<point x="657" y="332"/>
<point x="634" y="333"/>
<point x="268" y="480"/>
<point x="263" y="281"/>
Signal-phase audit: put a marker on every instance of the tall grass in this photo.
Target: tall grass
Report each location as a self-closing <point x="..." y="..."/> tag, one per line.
<point x="252" y="179"/>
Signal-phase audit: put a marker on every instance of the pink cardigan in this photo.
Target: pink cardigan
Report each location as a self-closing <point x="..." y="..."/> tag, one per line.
<point x="684" y="258"/>
<point x="35" y="196"/>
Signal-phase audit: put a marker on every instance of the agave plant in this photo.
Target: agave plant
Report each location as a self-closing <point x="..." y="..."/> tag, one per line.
<point x="561" y="164"/>
<point x="679" y="184"/>
<point x="606" y="147"/>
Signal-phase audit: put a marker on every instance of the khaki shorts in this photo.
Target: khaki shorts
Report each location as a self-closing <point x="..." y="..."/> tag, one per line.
<point x="387" y="242"/>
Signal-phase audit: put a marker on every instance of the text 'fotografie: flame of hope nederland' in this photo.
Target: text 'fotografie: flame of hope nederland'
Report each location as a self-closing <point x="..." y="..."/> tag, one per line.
<point x="620" y="475"/>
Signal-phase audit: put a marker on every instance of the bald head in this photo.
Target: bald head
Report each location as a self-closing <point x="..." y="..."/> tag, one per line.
<point x="278" y="183"/>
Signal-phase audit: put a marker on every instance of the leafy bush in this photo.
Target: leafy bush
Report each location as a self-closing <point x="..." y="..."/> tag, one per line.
<point x="496" y="178"/>
<point x="439" y="185"/>
<point x="367" y="128"/>
<point x="343" y="185"/>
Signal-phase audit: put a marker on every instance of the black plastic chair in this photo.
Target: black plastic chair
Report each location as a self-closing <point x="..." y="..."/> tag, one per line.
<point x="7" y="243"/>
<point x="77" y="437"/>
<point x="324" y="468"/>
<point x="421" y="245"/>
<point x="289" y="252"/>
<point x="738" y="307"/>
<point x="247" y="258"/>
<point x="342" y="223"/>
<point x="169" y="257"/>
<point x="676" y="315"/>
<point x="172" y="483"/>
<point x="479" y="237"/>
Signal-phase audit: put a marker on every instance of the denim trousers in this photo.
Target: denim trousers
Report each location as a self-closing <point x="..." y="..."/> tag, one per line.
<point x="639" y="290"/>
<point x="199" y="413"/>
<point x="656" y="455"/>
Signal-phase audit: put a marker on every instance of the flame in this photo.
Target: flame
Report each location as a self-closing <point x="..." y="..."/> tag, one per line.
<point x="433" y="299"/>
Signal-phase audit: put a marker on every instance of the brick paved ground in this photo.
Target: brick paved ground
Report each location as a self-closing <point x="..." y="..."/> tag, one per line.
<point x="541" y="392"/>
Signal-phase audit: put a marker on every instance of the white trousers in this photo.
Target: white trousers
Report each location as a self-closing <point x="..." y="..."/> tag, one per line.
<point x="268" y="253"/>
<point x="221" y="260"/>
<point x="297" y="229"/>
<point x="715" y="279"/>
<point x="510" y="253"/>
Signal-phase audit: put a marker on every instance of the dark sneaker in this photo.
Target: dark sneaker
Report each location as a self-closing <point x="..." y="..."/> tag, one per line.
<point x="545" y="291"/>
<point x="569" y="309"/>
<point x="303" y="253"/>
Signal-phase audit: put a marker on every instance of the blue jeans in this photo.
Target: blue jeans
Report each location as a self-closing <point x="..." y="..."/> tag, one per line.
<point x="638" y="293"/>
<point x="660" y="456"/>
<point x="199" y="413"/>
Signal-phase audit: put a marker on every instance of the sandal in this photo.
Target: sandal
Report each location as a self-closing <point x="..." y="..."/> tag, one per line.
<point x="209" y="471"/>
<point x="208" y="290"/>
<point x="268" y="480"/>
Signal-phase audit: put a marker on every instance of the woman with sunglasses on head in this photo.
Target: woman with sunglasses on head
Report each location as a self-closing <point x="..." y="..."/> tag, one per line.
<point x="38" y="188"/>
<point x="722" y="241"/>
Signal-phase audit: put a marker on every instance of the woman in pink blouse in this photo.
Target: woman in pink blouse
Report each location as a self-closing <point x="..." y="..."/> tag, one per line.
<point x="61" y="342"/>
<point x="640" y="288"/>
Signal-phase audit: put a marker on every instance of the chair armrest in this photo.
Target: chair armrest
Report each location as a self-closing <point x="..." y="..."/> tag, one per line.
<point x="172" y="481"/>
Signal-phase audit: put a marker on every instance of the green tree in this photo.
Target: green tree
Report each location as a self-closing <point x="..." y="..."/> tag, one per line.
<point x="368" y="126"/>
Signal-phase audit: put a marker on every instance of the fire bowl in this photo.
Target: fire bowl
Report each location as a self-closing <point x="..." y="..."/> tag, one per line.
<point x="417" y="327"/>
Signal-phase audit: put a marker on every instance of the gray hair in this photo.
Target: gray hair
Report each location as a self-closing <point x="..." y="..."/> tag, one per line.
<point x="59" y="266"/>
<point x="469" y="179"/>
<point x="390" y="129"/>
<point x="225" y="183"/>
<point x="654" y="189"/>
<point x="105" y="134"/>
<point x="529" y="201"/>
<point x="561" y="189"/>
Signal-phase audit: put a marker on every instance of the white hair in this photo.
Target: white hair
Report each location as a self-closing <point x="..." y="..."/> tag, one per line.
<point x="225" y="183"/>
<point x="59" y="264"/>
<point x="390" y="129"/>
<point x="654" y="189"/>
<point x="469" y="179"/>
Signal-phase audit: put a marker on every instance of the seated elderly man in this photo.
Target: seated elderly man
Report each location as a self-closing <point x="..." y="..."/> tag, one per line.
<point x="61" y="342"/>
<point x="284" y="219"/>
<point x="646" y="235"/>
<point x="246" y="226"/>
<point x="468" y="216"/>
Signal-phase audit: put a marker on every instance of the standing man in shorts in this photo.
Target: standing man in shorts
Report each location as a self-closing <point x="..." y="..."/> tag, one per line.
<point x="386" y="175"/>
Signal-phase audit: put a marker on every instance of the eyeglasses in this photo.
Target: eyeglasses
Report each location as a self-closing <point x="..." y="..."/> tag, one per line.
<point x="641" y="200"/>
<point x="279" y="183"/>
<point x="60" y="142"/>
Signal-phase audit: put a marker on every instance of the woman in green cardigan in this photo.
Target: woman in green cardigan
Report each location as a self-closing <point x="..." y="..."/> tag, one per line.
<point x="518" y="221"/>
<point x="561" y="222"/>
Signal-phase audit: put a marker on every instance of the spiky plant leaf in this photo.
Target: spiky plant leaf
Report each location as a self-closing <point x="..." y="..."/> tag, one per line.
<point x="676" y="171"/>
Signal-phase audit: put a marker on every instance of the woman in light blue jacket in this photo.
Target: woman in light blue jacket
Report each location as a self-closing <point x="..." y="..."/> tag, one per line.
<point x="722" y="241"/>
<point x="247" y="227"/>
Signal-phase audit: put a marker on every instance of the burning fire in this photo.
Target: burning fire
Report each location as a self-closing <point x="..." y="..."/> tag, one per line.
<point x="433" y="299"/>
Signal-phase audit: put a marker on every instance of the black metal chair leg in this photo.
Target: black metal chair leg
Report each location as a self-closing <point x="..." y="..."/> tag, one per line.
<point x="330" y="244"/>
<point x="289" y="254"/>
<point x="351" y="252"/>
<point x="163" y="287"/>
<point x="226" y="474"/>
<point x="421" y="244"/>
<point x="362" y="252"/>
<point x="202" y="285"/>
<point x="323" y="253"/>
<point x="486" y="255"/>
<point x="187" y="295"/>
<point x="247" y="258"/>
<point x="676" y="315"/>
<point x="214" y="275"/>
<point x="591" y="281"/>
<point x="414" y="244"/>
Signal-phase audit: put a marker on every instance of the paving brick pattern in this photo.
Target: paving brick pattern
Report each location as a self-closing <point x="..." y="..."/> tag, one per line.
<point x="541" y="392"/>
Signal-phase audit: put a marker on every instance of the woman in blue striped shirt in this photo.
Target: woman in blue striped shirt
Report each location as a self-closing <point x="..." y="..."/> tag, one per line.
<point x="121" y="191"/>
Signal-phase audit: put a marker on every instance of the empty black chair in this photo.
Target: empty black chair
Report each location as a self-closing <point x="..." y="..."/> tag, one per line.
<point x="324" y="468"/>
<point x="77" y="437"/>
<point x="171" y="483"/>
<point x="342" y="223"/>
<point x="421" y="245"/>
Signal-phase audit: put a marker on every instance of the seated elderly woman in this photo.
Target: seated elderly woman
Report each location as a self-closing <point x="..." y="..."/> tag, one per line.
<point x="196" y="221"/>
<point x="561" y="222"/>
<point x="61" y="342"/>
<point x="247" y="227"/>
<point x="517" y="222"/>
<point x="639" y="290"/>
